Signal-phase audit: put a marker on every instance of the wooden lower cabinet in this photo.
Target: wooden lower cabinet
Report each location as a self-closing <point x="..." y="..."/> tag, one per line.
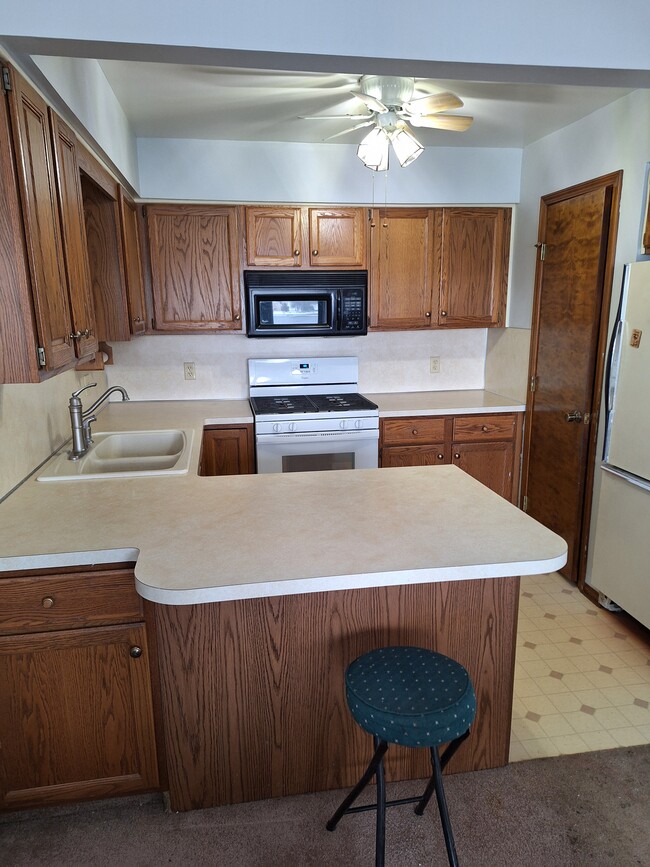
<point x="227" y="450"/>
<point x="76" y="716"/>
<point x="487" y="447"/>
<point x="254" y="690"/>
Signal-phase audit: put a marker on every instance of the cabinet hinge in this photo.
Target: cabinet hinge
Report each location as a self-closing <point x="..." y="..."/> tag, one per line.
<point x="6" y="78"/>
<point x="524" y="504"/>
<point x="533" y="383"/>
<point x="542" y="251"/>
<point x="41" y="356"/>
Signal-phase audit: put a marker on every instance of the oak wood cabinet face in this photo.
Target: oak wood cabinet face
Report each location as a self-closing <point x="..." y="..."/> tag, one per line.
<point x="133" y="274"/>
<point x="337" y="237"/>
<point x="475" y="246"/>
<point x="227" y="451"/>
<point x="194" y="253"/>
<point x="274" y="237"/>
<point x="404" y="268"/>
<point x="492" y="464"/>
<point x="76" y="716"/>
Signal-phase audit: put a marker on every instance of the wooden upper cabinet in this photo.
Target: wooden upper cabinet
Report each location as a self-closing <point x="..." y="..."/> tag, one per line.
<point x="404" y="267"/>
<point x="274" y="237"/>
<point x="337" y="237"/>
<point x="74" y="237"/>
<point x="195" y="275"/>
<point x="475" y="245"/>
<point x="133" y="274"/>
<point x="35" y="168"/>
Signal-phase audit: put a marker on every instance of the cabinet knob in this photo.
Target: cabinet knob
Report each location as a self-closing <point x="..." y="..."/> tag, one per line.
<point x="443" y="312"/>
<point x="135" y="651"/>
<point x="457" y="456"/>
<point x="237" y="317"/>
<point x="428" y="314"/>
<point x="296" y="252"/>
<point x="314" y="252"/>
<point x="138" y="319"/>
<point x="47" y="602"/>
<point x="485" y="428"/>
<point x="440" y="456"/>
<point x="414" y="431"/>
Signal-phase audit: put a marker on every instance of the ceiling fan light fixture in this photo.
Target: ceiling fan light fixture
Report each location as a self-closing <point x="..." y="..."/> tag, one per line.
<point x="373" y="150"/>
<point x="407" y="148"/>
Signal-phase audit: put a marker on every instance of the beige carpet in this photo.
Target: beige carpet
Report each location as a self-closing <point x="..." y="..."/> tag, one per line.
<point x="582" y="810"/>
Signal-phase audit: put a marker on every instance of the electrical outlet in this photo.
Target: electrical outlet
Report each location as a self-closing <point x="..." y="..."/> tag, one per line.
<point x="189" y="370"/>
<point x="434" y="364"/>
<point x="86" y="379"/>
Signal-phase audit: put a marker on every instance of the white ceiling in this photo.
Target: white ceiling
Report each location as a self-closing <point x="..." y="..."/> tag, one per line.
<point x="167" y="100"/>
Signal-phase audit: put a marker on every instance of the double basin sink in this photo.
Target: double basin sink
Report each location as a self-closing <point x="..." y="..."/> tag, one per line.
<point x="124" y="454"/>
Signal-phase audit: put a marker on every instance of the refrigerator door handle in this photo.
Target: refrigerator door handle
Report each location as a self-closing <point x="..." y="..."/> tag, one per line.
<point x="613" y="363"/>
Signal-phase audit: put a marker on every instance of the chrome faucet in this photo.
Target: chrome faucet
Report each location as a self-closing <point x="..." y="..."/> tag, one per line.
<point x="80" y="419"/>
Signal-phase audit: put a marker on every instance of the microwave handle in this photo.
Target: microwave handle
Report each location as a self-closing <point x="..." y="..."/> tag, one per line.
<point x="338" y="311"/>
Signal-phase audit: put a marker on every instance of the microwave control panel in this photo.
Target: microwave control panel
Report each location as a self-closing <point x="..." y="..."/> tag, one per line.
<point x="353" y="310"/>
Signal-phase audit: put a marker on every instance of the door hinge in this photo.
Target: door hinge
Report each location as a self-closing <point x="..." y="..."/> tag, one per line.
<point x="542" y="250"/>
<point x="586" y="418"/>
<point x="533" y="383"/>
<point x="41" y="356"/>
<point x="524" y="504"/>
<point x="6" y="78"/>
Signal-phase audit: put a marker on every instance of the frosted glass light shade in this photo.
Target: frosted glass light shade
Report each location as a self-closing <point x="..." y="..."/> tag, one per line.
<point x="373" y="150"/>
<point x="407" y="148"/>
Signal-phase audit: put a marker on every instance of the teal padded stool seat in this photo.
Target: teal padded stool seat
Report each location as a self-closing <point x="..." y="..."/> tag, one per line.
<point x="413" y="697"/>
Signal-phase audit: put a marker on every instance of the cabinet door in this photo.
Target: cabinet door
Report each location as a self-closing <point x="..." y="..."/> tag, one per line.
<point x="404" y="268"/>
<point x="414" y="456"/>
<point x="274" y="237"/>
<point x="337" y="237"/>
<point x="474" y="270"/>
<point x="194" y="267"/>
<point x="132" y="264"/>
<point x="35" y="167"/>
<point x="74" y="237"/>
<point x="76" y="717"/>
<point x="491" y="463"/>
<point x="227" y="451"/>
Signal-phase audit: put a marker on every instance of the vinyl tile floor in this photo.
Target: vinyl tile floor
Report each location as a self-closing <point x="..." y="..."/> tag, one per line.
<point x="582" y="674"/>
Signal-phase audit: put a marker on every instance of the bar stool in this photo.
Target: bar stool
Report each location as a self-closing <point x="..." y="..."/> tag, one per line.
<point x="416" y="698"/>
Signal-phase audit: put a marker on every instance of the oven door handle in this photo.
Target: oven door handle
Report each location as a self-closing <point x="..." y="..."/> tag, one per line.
<point x="317" y="437"/>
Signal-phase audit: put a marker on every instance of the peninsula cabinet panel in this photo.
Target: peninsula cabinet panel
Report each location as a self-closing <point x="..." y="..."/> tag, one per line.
<point x="337" y="237"/>
<point x="76" y="718"/>
<point x="475" y="245"/>
<point x="227" y="451"/>
<point x="194" y="255"/>
<point x="492" y="464"/>
<point x="264" y="713"/>
<point x="404" y="268"/>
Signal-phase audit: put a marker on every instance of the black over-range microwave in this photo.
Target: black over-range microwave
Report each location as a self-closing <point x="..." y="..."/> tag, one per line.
<point x="306" y="303"/>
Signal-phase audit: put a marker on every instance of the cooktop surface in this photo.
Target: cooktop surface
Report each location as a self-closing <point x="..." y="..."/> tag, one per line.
<point x="301" y="403"/>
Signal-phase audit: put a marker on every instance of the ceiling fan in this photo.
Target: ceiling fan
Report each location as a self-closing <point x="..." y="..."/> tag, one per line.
<point x="392" y="110"/>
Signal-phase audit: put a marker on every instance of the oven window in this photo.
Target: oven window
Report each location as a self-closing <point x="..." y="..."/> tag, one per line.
<point x="293" y="312"/>
<point x="307" y="463"/>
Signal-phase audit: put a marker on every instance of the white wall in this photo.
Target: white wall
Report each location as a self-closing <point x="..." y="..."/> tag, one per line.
<point x="297" y="172"/>
<point x="151" y="368"/>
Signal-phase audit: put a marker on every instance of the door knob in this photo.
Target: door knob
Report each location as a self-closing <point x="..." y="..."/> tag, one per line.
<point x="576" y="415"/>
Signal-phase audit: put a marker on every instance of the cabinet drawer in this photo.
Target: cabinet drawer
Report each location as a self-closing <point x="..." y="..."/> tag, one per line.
<point x="420" y="429"/>
<point x="70" y="601"/>
<point x="475" y="428"/>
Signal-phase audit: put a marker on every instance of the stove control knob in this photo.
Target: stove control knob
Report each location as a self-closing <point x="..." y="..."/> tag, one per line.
<point x="292" y="426"/>
<point x="343" y="424"/>
<point x="277" y="428"/>
<point x="358" y="424"/>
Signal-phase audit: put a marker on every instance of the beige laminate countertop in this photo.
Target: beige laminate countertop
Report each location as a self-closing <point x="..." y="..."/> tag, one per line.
<point x="204" y="539"/>
<point x="406" y="403"/>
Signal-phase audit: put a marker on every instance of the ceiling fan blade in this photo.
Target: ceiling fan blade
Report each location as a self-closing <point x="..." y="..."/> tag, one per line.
<point x="349" y="129"/>
<point x="453" y="122"/>
<point x="372" y="102"/>
<point x="336" y="116"/>
<point x="434" y="102"/>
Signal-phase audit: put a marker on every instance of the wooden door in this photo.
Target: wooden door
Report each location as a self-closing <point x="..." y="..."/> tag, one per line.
<point x="577" y="235"/>
<point x="475" y="249"/>
<point x="76" y="719"/>
<point x="31" y="130"/>
<point x="133" y="274"/>
<point x="74" y="237"/>
<point x="194" y="252"/>
<point x="337" y="237"/>
<point x="274" y="237"/>
<point x="227" y="451"/>
<point x="492" y="464"/>
<point x="404" y="268"/>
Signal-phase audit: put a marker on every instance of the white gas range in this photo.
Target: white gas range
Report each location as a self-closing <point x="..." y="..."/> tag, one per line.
<point x="309" y="415"/>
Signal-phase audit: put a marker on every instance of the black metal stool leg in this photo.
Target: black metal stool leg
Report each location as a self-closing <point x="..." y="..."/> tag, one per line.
<point x="380" y="831"/>
<point x="444" y="759"/>
<point x="442" y="807"/>
<point x="371" y="770"/>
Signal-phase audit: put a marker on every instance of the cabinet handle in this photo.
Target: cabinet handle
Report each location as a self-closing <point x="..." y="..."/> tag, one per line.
<point x="135" y="652"/>
<point x="443" y="312"/>
<point x="138" y="319"/>
<point x="47" y="602"/>
<point x="314" y="252"/>
<point x="414" y="431"/>
<point x="77" y="335"/>
<point x="440" y="456"/>
<point x="428" y="314"/>
<point x="457" y="456"/>
<point x="296" y="252"/>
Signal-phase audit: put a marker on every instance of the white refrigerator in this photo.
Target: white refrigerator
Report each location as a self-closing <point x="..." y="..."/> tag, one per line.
<point x="620" y="561"/>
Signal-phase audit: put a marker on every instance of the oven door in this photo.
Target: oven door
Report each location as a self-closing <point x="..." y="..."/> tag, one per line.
<point x="294" y="453"/>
